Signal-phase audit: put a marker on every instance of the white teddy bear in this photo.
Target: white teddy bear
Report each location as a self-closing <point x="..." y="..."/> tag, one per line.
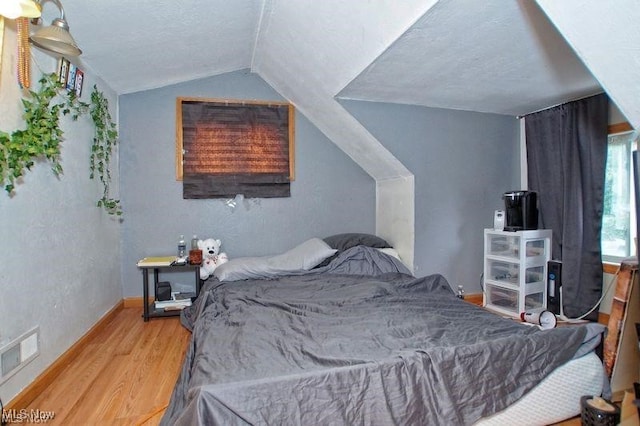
<point x="211" y="256"/>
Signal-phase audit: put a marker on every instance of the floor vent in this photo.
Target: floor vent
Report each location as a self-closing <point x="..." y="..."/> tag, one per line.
<point x="18" y="353"/>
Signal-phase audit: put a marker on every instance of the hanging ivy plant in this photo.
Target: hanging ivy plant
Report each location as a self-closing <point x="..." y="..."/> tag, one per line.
<point x="42" y="136"/>
<point x="104" y="140"/>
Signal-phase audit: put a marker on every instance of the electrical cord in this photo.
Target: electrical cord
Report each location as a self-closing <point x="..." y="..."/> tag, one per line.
<point x="562" y="317"/>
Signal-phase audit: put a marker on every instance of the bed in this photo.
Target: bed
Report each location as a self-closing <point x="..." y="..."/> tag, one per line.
<point x="349" y="336"/>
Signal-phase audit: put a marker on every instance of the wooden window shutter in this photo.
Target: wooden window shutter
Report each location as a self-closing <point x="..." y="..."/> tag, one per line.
<point x="225" y="148"/>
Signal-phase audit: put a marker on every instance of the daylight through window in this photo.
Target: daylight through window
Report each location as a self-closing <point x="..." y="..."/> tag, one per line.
<point x="618" y="221"/>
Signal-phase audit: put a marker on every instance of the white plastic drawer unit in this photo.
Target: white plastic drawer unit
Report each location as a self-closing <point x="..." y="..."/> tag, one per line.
<point x="534" y="302"/>
<point x="509" y="273"/>
<point x="503" y="246"/>
<point x="504" y="272"/>
<point x="508" y="246"/>
<point x="534" y="275"/>
<point x="534" y="248"/>
<point x="501" y="297"/>
<point x="506" y="299"/>
<point x="515" y="270"/>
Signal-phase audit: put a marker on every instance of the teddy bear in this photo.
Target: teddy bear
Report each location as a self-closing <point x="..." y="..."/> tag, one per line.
<point x="211" y="256"/>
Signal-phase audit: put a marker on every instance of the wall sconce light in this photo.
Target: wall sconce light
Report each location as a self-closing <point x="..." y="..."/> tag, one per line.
<point x="56" y="37"/>
<point x="13" y="9"/>
<point x="21" y="11"/>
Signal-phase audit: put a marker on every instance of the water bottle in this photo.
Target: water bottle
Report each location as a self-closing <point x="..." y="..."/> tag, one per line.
<point x="182" y="248"/>
<point x="460" y="292"/>
<point x="194" y="243"/>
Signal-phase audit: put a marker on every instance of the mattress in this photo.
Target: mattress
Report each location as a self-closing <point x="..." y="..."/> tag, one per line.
<point x="557" y="397"/>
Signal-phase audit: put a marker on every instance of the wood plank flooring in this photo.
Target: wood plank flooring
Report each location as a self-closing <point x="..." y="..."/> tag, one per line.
<point x="124" y="377"/>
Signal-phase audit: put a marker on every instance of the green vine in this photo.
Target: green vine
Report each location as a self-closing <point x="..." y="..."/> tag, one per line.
<point x="104" y="140"/>
<point x="42" y="137"/>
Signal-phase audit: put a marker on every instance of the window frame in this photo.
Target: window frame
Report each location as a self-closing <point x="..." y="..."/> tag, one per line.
<point x="610" y="262"/>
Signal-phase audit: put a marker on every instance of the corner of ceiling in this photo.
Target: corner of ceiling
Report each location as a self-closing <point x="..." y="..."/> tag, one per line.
<point x="340" y="93"/>
<point x="261" y="30"/>
<point x="603" y="38"/>
<point x="299" y="69"/>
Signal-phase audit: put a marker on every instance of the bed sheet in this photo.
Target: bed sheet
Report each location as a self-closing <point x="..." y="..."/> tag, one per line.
<point x="347" y="348"/>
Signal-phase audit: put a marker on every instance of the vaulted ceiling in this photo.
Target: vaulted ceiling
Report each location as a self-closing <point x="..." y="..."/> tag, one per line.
<point x="494" y="56"/>
<point x="491" y="56"/>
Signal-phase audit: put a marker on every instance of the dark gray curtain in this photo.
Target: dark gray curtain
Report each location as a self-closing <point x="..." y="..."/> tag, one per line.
<point x="566" y="156"/>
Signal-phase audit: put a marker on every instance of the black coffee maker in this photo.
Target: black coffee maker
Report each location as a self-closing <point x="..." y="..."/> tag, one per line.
<point x="521" y="209"/>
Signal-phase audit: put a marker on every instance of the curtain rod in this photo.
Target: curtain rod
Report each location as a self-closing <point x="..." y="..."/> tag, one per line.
<point x="562" y="103"/>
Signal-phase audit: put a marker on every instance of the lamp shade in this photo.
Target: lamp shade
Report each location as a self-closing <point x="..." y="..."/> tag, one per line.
<point x="56" y="38"/>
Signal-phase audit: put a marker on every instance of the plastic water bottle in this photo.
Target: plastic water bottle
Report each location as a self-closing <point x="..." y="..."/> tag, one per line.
<point x="182" y="248"/>
<point x="460" y="292"/>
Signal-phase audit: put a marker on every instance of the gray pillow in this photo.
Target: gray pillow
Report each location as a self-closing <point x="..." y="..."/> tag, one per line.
<point x="343" y="242"/>
<point x="303" y="256"/>
<point x="300" y="258"/>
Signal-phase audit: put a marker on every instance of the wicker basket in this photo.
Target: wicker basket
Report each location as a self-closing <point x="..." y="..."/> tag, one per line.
<point x="593" y="416"/>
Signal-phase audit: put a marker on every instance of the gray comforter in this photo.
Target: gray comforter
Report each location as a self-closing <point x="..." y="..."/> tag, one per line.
<point x="338" y="346"/>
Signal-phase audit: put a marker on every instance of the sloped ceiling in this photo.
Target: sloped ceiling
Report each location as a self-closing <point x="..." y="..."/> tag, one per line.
<point x="489" y="56"/>
<point x="307" y="55"/>
<point x="145" y="44"/>
<point x="607" y="39"/>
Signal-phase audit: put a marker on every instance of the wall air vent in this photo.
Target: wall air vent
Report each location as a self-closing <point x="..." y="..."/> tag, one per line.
<point x="18" y="353"/>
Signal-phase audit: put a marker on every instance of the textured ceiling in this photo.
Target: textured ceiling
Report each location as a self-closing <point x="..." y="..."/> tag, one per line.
<point x="489" y="56"/>
<point x="144" y="44"/>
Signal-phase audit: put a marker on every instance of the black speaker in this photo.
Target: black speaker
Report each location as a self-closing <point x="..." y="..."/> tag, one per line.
<point x="554" y="285"/>
<point x="164" y="291"/>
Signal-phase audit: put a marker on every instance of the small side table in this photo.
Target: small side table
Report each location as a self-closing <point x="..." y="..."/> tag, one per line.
<point x="149" y="310"/>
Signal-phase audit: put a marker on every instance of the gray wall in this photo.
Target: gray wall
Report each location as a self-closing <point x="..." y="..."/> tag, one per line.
<point x="330" y="194"/>
<point x="60" y="253"/>
<point x="462" y="162"/>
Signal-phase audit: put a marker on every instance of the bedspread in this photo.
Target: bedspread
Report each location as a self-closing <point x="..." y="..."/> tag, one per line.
<point x="327" y="348"/>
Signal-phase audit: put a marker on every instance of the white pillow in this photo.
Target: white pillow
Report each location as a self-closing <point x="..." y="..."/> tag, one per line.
<point x="305" y="256"/>
<point x="300" y="258"/>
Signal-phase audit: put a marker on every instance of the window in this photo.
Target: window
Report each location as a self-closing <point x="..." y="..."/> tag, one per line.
<point x="618" y="221"/>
